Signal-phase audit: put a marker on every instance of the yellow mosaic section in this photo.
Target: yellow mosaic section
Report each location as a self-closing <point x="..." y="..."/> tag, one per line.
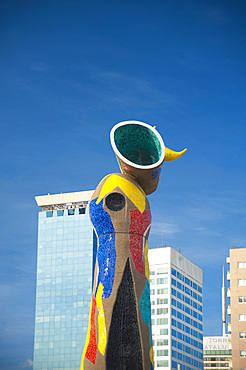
<point x="146" y="262"/>
<point x="131" y="191"/>
<point x="102" y="335"/>
<point x="151" y="356"/>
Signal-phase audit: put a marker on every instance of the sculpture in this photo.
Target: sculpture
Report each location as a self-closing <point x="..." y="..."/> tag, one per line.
<point x="119" y="332"/>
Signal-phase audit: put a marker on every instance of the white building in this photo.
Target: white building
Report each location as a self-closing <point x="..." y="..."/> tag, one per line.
<point x="217" y="352"/>
<point x="176" y="305"/>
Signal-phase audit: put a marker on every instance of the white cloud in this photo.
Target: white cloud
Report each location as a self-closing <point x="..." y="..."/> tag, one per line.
<point x="27" y="363"/>
<point x="158" y="228"/>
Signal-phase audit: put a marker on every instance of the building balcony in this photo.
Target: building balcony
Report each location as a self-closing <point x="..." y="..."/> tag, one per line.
<point x="228" y="275"/>
<point x="228" y="292"/>
<point x="229" y="327"/>
<point x="228" y="260"/>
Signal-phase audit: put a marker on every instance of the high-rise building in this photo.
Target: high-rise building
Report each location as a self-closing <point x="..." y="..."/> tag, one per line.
<point x="65" y="260"/>
<point x="237" y="308"/>
<point x="176" y="310"/>
<point x="217" y="349"/>
<point x="217" y="352"/>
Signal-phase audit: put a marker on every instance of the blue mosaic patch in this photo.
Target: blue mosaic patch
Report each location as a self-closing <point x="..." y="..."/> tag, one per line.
<point x="145" y="307"/>
<point x="106" y="257"/>
<point x="100" y="218"/>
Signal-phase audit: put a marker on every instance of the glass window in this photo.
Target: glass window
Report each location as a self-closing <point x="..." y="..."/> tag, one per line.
<point x="241" y="264"/>
<point x="194" y="295"/>
<point x="180" y="305"/>
<point x="242" y="353"/>
<point x="242" y="334"/>
<point x="187" y="310"/>
<point x="187" y="290"/>
<point x="162" y="363"/>
<point x="180" y="276"/>
<point x="162" y="291"/>
<point x="180" y="286"/>
<point x="179" y="325"/>
<point x="60" y="212"/>
<point x="162" y="342"/>
<point x="49" y="214"/>
<point x="187" y="281"/>
<point x="187" y="300"/>
<point x="173" y="272"/>
<point x="70" y="212"/>
<point x="163" y="331"/>
<point x="200" y="298"/>
<point x="199" y="289"/>
<point x="162" y="270"/>
<point x="241" y="281"/>
<point x="187" y="319"/>
<point x="162" y="300"/>
<point x="152" y="272"/>
<point x="241" y="299"/>
<point x="162" y="281"/>
<point x="163" y="352"/>
<point x="161" y="311"/>
<point x="242" y="317"/>
<point x="194" y="286"/>
<point x="180" y="296"/>
<point x="162" y="321"/>
<point x="81" y="211"/>
<point x="173" y="282"/>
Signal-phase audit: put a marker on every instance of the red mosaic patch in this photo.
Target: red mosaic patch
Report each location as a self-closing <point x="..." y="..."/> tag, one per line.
<point x="91" y="352"/>
<point x="138" y="225"/>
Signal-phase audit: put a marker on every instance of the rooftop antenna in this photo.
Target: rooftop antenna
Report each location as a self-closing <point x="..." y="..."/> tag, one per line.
<point x="162" y="239"/>
<point x="223" y="303"/>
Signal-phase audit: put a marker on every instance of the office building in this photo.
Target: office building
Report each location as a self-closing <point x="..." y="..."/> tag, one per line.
<point x="217" y="352"/>
<point x="65" y="260"/>
<point x="237" y="308"/>
<point x="176" y="310"/>
<point x="217" y="349"/>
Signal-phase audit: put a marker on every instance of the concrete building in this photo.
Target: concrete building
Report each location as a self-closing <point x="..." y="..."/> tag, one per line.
<point x="237" y="308"/>
<point x="65" y="260"/>
<point x="176" y="304"/>
<point x="217" y="349"/>
<point x="217" y="352"/>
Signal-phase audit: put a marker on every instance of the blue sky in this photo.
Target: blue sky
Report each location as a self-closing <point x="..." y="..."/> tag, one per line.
<point x="70" y="70"/>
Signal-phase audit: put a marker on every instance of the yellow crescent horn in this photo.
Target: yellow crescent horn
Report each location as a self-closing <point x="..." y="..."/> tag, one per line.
<point x="170" y="155"/>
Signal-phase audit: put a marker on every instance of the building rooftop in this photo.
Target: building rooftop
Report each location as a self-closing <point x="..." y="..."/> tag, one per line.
<point x="64" y="200"/>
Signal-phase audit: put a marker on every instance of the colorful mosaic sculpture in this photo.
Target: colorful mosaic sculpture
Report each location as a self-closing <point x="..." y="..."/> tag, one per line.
<point x="119" y="331"/>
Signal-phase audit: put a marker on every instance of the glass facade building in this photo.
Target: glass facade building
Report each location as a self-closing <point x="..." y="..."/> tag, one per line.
<point x="65" y="261"/>
<point x="176" y="310"/>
